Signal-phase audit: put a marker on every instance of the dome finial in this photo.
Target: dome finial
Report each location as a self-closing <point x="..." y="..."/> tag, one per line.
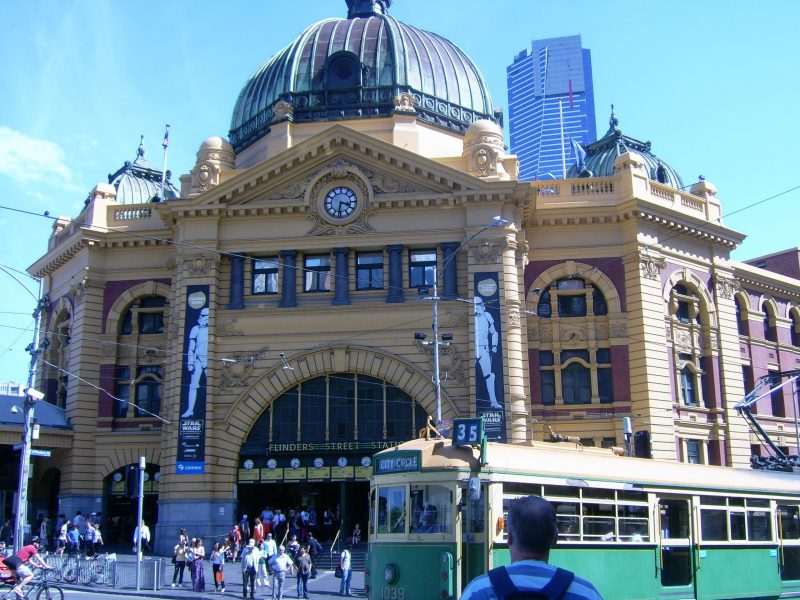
<point x="140" y="151"/>
<point x="613" y="123"/>
<point x="366" y="8"/>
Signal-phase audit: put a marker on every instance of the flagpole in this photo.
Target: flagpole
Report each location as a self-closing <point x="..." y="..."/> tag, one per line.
<point x="165" y="145"/>
<point x="563" y="153"/>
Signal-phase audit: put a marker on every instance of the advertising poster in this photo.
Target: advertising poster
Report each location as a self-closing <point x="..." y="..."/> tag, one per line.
<point x="192" y="424"/>
<point x="489" y="384"/>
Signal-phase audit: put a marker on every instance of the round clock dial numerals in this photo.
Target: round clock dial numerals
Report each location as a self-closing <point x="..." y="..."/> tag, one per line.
<point x="341" y="202"/>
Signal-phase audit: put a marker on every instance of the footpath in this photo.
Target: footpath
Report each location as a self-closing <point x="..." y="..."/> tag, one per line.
<point x="325" y="586"/>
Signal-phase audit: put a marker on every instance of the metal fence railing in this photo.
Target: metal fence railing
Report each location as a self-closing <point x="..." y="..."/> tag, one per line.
<point x="106" y="570"/>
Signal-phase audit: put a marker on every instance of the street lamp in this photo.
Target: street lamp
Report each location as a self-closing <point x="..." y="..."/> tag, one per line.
<point x="434" y="298"/>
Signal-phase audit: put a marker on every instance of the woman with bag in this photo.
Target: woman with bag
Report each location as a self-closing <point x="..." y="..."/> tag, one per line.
<point x="179" y="560"/>
<point x="217" y="564"/>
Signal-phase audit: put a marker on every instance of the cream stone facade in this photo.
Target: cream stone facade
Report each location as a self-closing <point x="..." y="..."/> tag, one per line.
<point x="615" y="296"/>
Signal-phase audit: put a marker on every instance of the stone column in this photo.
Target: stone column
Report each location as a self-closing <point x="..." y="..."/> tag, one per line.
<point x="395" y="294"/>
<point x="289" y="284"/>
<point x="341" y="292"/>
<point x="237" y="283"/>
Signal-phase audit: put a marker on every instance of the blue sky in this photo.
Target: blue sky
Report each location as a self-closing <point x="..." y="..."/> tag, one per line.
<point x="712" y="85"/>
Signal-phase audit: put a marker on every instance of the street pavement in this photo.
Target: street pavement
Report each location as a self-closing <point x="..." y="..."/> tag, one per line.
<point x="324" y="587"/>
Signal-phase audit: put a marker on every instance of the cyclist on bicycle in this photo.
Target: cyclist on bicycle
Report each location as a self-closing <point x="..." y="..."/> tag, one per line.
<point x="18" y="564"/>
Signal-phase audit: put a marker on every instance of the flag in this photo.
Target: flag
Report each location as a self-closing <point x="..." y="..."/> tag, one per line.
<point x="165" y="143"/>
<point x="579" y="152"/>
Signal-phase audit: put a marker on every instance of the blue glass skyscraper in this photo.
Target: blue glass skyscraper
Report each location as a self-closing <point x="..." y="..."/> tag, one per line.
<point x="550" y="85"/>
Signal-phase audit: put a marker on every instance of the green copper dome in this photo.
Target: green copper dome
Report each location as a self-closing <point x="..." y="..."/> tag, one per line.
<point x="354" y="68"/>
<point x="600" y="157"/>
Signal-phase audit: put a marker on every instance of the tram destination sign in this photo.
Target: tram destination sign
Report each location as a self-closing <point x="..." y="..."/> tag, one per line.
<point x="402" y="461"/>
<point x="327" y="446"/>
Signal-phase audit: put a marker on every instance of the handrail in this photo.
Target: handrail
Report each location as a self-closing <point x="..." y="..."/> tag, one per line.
<point x="333" y="545"/>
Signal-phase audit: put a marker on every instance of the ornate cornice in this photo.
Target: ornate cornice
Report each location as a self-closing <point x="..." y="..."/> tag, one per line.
<point x="726" y="286"/>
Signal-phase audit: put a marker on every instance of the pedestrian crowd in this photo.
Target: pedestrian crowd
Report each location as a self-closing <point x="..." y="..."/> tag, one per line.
<point x="277" y="545"/>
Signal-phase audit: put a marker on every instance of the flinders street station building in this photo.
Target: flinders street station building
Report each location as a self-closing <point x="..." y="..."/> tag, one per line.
<point x="260" y="328"/>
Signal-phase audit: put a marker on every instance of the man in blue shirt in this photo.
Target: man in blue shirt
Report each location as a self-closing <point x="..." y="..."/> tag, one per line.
<point x="532" y="531"/>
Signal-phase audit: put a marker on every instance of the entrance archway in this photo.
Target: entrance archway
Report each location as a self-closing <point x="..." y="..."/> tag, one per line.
<point x="311" y="448"/>
<point x="121" y="491"/>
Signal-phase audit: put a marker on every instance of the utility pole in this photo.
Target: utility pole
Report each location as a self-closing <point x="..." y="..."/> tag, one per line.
<point x="32" y="396"/>
<point x="434" y="298"/>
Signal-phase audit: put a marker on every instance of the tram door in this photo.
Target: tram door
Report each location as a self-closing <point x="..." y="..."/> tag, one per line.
<point x="676" y="558"/>
<point x="474" y="538"/>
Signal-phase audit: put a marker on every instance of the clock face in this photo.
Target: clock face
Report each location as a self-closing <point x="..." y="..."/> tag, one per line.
<point x="341" y="202"/>
<point x="342" y="462"/>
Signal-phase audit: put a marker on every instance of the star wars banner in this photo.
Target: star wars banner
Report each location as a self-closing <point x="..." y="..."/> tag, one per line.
<point x="192" y="424"/>
<point x="489" y="395"/>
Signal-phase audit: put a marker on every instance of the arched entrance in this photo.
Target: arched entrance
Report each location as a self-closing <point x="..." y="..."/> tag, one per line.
<point x="121" y="491"/>
<point x="311" y="448"/>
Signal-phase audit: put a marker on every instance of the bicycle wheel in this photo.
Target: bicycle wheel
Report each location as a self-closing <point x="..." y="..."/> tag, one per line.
<point x="49" y="592"/>
<point x="69" y="571"/>
<point x="86" y="574"/>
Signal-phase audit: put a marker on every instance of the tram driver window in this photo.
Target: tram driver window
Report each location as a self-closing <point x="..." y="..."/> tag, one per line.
<point x="392" y="509"/>
<point x="430" y="509"/>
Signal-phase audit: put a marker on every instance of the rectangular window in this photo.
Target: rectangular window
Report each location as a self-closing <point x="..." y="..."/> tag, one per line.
<point x="548" y="387"/>
<point x="122" y="390"/>
<point x="576" y="384"/>
<point x="546" y="358"/>
<point x="687" y="387"/>
<point x="572" y="306"/>
<point x="317" y="274"/>
<point x="421" y="267"/>
<point x="148" y="391"/>
<point x="776" y="397"/>
<point x="693" y="455"/>
<point x="605" y="386"/>
<point x="392" y="509"/>
<point x="369" y="271"/>
<point x="265" y="276"/>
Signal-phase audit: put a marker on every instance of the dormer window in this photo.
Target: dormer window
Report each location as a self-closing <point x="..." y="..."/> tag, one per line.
<point x="342" y="70"/>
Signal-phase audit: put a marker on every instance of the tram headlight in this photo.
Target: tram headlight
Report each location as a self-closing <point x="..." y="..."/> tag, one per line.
<point x="391" y="573"/>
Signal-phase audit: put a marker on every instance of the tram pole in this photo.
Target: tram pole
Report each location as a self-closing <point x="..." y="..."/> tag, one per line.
<point x="139" y="526"/>
<point x="435" y="298"/>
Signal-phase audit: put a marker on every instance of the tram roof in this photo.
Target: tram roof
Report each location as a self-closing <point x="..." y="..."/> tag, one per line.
<point x="570" y="464"/>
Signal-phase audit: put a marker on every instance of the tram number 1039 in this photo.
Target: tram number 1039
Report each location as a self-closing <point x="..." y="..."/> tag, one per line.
<point x="393" y="593"/>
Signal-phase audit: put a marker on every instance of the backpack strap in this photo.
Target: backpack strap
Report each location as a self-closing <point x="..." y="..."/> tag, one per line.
<point x="558" y="585"/>
<point x="554" y="589"/>
<point x="501" y="582"/>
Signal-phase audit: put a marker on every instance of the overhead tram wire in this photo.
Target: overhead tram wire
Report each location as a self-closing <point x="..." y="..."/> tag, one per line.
<point x="303" y="270"/>
<point x="97" y="387"/>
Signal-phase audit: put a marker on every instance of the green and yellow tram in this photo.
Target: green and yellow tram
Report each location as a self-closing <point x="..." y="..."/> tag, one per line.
<point x="636" y="528"/>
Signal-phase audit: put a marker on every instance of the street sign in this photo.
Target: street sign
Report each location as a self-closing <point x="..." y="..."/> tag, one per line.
<point x="468" y="432"/>
<point x="35" y="451"/>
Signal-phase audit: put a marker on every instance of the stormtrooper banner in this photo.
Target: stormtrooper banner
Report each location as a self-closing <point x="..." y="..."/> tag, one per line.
<point x="489" y="395"/>
<point x="192" y="424"/>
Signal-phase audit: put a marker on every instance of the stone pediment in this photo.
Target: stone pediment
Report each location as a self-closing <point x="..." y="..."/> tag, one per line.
<point x="387" y="174"/>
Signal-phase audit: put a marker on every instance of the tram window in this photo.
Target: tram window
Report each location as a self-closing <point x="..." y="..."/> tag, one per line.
<point x="632" y="496"/>
<point x="599" y="522"/>
<point x="789" y="521"/>
<point x="674" y="519"/>
<point x="713" y="526"/>
<point x="474" y="521"/>
<point x="633" y="530"/>
<point x="759" y="526"/>
<point x="430" y="509"/>
<point x="735" y="501"/>
<point x="391" y="509"/>
<point x="757" y="503"/>
<point x="738" y="531"/>
<point x="599" y="494"/>
<point x="568" y="527"/>
<point x="522" y="489"/>
<point x="561" y="491"/>
<point x="712" y="500"/>
<point x="371" y="512"/>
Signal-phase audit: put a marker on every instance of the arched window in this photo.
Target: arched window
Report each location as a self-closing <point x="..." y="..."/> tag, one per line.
<point x="139" y="371"/>
<point x="573" y="295"/>
<point x="687" y="304"/>
<point x="340" y="407"/>
<point x="576" y="384"/>
<point x="770" y="331"/>
<point x="688" y="387"/>
<point x="741" y="319"/>
<point x="795" y="317"/>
